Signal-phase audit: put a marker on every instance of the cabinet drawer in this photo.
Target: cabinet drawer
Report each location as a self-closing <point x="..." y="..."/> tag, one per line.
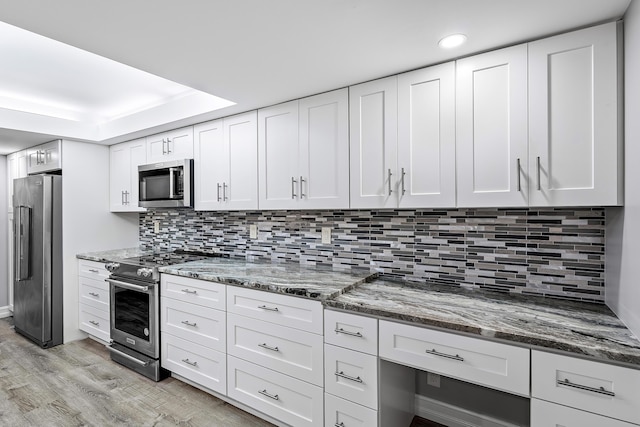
<point x="95" y="322"/>
<point x="94" y="293"/>
<point x="351" y="331"/>
<point x="92" y="269"/>
<point x="545" y="414"/>
<point x="194" y="362"/>
<point x="201" y="292"/>
<point x="499" y="366"/>
<point x="290" y="351"/>
<point x="283" y="310"/>
<point x="282" y="397"/>
<point x="618" y="399"/>
<point x="351" y="375"/>
<point x="201" y="325"/>
<point x="342" y="413"/>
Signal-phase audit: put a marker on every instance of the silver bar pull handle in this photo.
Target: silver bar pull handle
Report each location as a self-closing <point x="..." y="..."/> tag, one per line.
<point x="122" y="197"/>
<point x="126" y="197"/>
<point x="538" y="169"/>
<point x="93" y="294"/>
<point x="264" y="345"/>
<point x="163" y="149"/>
<point x="600" y="390"/>
<point x="264" y="307"/>
<point x="389" y="178"/>
<point x="218" y="184"/>
<point x="353" y="334"/>
<point x="448" y="356"/>
<point x="186" y="322"/>
<point x="126" y="285"/>
<point x="293" y="188"/>
<point x="348" y="377"/>
<point x="224" y="191"/>
<point x="189" y="291"/>
<point x="188" y="362"/>
<point x="94" y="323"/>
<point x="270" y="396"/>
<point x="93" y="270"/>
<point x="301" y="181"/>
<point x="126" y="356"/>
<point x="518" y="172"/>
<point x="168" y="145"/>
<point x="402" y="181"/>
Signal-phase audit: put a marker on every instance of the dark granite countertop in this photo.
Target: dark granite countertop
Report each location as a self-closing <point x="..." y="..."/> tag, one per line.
<point x="579" y="328"/>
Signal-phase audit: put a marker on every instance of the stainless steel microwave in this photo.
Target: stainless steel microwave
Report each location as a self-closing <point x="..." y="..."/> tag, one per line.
<point x="166" y="184"/>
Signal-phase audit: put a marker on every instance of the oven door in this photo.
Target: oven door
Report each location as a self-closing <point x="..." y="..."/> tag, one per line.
<point x="134" y="315"/>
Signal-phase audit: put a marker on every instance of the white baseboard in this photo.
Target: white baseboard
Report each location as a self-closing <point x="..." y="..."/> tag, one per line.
<point x="5" y="312"/>
<point x="454" y="416"/>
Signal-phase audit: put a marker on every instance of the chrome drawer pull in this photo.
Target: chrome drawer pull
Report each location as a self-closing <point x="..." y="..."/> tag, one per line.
<point x="264" y="307"/>
<point x="94" y="323"/>
<point x="187" y="291"/>
<point x="188" y="362"/>
<point x="270" y="396"/>
<point x="264" y="345"/>
<point x="93" y="270"/>
<point x="448" y="356"/>
<point x="353" y="334"/>
<point x="93" y="294"/>
<point x="600" y="390"/>
<point x="186" y="322"/>
<point x="347" y="377"/>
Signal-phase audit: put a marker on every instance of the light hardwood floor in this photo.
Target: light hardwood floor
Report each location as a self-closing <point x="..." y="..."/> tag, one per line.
<point x="76" y="384"/>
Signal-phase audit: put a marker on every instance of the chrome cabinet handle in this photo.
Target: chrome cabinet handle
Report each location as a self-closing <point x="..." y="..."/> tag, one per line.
<point x="188" y="362"/>
<point x="301" y="181"/>
<point x="122" y="197"/>
<point x="402" y="181"/>
<point x="264" y="307"/>
<point x="93" y="294"/>
<point x="188" y="291"/>
<point x="168" y="145"/>
<point x="94" y="323"/>
<point x="448" y="356"/>
<point x="350" y="378"/>
<point x="389" y="177"/>
<point x="264" y="345"/>
<point x="163" y="149"/>
<point x="186" y="322"/>
<point x="518" y="171"/>
<point x="270" y="396"/>
<point x="600" y="390"/>
<point x="126" y="197"/>
<point x="293" y="188"/>
<point x="218" y="184"/>
<point x="224" y="191"/>
<point x="93" y="270"/>
<point x="538" y="169"/>
<point x="353" y="334"/>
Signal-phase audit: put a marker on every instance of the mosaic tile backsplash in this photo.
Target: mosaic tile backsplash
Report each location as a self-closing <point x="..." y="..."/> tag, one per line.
<point x="551" y="252"/>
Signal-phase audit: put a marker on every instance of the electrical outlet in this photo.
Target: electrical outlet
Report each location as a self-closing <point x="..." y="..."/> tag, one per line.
<point x="433" y="379"/>
<point x="326" y="235"/>
<point x="156" y="226"/>
<point x="253" y="231"/>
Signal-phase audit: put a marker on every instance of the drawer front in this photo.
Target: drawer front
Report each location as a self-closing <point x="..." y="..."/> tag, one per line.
<point x="550" y="372"/>
<point x="342" y="413"/>
<point x="194" y="362"/>
<point x="290" y="351"/>
<point x="283" y="310"/>
<point x="92" y="269"/>
<point x="280" y="396"/>
<point x="201" y="292"/>
<point x="351" y="331"/>
<point x="351" y="375"/>
<point x="545" y="414"/>
<point x="95" y="322"/>
<point x="499" y="366"/>
<point x="94" y="293"/>
<point x="195" y="323"/>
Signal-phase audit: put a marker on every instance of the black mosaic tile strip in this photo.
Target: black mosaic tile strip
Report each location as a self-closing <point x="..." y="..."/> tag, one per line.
<point x="553" y="252"/>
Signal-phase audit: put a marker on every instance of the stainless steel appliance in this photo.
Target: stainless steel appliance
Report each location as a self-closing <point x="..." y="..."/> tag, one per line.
<point x="135" y="309"/>
<point x="37" y="283"/>
<point x="166" y="184"/>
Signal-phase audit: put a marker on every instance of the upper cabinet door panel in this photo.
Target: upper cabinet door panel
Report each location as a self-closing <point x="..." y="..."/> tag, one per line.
<point x="173" y="145"/>
<point x="574" y="142"/>
<point x="210" y="165"/>
<point x="427" y="137"/>
<point x="373" y="113"/>
<point x="123" y="169"/>
<point x="278" y="156"/>
<point x="324" y="151"/>
<point x="240" y="191"/>
<point x="492" y="128"/>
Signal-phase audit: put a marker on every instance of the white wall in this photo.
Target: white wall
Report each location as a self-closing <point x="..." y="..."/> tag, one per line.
<point x="623" y="224"/>
<point x="4" y="234"/>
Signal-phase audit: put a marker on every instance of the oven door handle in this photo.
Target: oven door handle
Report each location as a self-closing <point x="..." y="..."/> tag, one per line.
<point x="126" y="356"/>
<point x="126" y="285"/>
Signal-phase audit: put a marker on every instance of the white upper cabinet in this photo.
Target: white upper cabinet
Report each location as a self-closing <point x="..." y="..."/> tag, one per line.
<point x="491" y="125"/>
<point x="176" y="144"/>
<point x="427" y="137"/>
<point x="225" y="162"/>
<point x="303" y="152"/>
<point x="16" y="168"/>
<point x="575" y="149"/>
<point x="45" y="157"/>
<point x="123" y="175"/>
<point x="373" y="120"/>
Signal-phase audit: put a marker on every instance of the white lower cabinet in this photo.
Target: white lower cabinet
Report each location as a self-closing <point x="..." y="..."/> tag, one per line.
<point x="546" y="414"/>
<point x="95" y="322"/>
<point x="280" y="396"/>
<point x="93" y="297"/>
<point x="351" y="375"/>
<point x="342" y="413"/>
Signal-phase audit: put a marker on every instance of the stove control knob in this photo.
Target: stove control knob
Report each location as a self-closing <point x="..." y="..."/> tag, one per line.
<point x="112" y="266"/>
<point x="144" y="272"/>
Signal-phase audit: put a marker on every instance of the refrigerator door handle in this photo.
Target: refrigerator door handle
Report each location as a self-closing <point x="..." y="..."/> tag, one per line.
<point x="23" y="240"/>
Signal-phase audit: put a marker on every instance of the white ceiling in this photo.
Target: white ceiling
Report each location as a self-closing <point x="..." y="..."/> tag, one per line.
<point x="262" y="52"/>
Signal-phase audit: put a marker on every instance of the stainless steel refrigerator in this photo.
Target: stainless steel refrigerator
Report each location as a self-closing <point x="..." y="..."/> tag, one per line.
<point x="37" y="284"/>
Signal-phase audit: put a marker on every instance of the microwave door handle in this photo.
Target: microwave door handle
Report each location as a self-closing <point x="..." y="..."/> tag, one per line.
<point x="172" y="183"/>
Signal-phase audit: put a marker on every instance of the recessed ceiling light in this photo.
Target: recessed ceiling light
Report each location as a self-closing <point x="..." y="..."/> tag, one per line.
<point x="454" y="40"/>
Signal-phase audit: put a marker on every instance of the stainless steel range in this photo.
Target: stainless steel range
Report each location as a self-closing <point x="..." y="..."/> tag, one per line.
<point x="135" y="309"/>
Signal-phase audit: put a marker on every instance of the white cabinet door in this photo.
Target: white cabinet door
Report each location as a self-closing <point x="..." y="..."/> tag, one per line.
<point x="278" y="156"/>
<point x="123" y="175"/>
<point x="373" y="116"/>
<point x="210" y="165"/>
<point x="546" y="414"/>
<point x="323" y="179"/>
<point x="173" y="145"/>
<point x="575" y="150"/>
<point x="427" y="137"/>
<point x="491" y="125"/>
<point x="240" y="189"/>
